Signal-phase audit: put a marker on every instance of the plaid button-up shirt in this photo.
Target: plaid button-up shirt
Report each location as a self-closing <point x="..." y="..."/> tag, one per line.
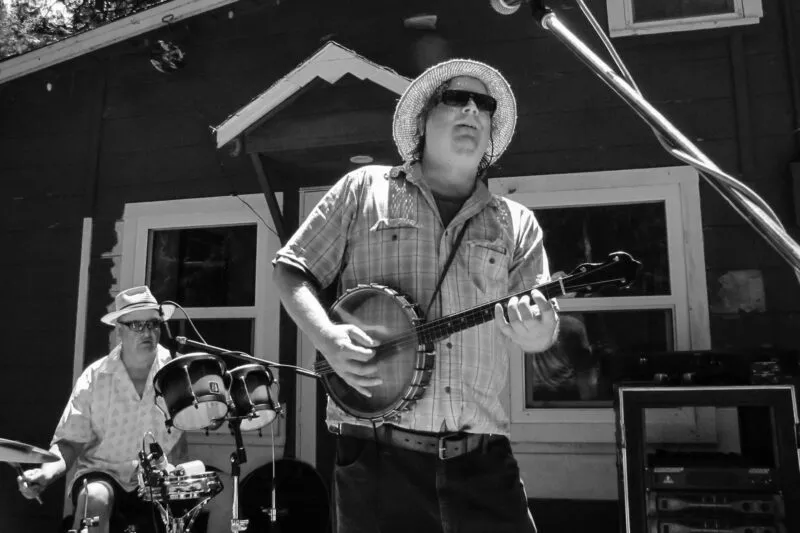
<point x="381" y="225"/>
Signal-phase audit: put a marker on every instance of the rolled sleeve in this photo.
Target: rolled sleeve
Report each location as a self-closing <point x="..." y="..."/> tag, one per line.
<point x="319" y="245"/>
<point x="75" y="424"/>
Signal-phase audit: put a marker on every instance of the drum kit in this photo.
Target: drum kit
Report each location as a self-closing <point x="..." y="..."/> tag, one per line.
<point x="180" y="493"/>
<point x="199" y="393"/>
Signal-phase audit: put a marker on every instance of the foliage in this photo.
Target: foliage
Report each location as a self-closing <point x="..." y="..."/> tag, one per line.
<point x="26" y="25"/>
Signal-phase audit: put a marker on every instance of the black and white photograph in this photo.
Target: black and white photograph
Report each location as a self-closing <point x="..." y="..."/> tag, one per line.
<point x="392" y="266"/>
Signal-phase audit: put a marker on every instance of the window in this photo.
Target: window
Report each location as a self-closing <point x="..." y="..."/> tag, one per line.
<point x="653" y="214"/>
<point x="587" y="234"/>
<point x="211" y="256"/>
<point x="635" y="17"/>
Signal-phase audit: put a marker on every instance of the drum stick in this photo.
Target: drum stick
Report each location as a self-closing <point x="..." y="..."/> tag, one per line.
<point x="21" y="474"/>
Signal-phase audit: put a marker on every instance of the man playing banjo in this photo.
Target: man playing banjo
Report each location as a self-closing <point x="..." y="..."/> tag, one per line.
<point x="430" y="232"/>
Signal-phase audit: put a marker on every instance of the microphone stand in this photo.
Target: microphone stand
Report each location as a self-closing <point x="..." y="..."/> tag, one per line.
<point x="242" y="356"/>
<point x="743" y="200"/>
<point x="165" y="323"/>
<point x="238" y="458"/>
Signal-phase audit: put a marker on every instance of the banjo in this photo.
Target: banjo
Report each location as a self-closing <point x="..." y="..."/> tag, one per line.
<point x="405" y="357"/>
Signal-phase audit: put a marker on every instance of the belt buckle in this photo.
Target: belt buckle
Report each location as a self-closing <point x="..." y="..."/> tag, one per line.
<point x="335" y="428"/>
<point x="442" y="447"/>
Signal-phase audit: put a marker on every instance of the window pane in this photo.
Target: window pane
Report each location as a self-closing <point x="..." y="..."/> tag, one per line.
<point x="587" y="234"/>
<point x="204" y="267"/>
<point x="235" y="334"/>
<point x="647" y="10"/>
<point x="582" y="366"/>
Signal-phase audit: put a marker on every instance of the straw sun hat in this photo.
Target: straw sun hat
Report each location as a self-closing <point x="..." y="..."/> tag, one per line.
<point x="419" y="91"/>
<point x="135" y="299"/>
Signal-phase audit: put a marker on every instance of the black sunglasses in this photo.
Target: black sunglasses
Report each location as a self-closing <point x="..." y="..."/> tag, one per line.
<point x="460" y="98"/>
<point x="139" y="326"/>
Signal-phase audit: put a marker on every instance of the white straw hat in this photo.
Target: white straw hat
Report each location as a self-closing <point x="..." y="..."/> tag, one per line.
<point x="420" y="90"/>
<point x="135" y="299"/>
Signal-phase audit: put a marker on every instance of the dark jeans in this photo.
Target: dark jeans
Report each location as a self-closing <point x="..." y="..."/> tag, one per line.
<point x="380" y="488"/>
<point x="129" y="509"/>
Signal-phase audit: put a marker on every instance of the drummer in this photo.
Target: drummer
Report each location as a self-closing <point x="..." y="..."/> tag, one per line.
<point x="109" y="411"/>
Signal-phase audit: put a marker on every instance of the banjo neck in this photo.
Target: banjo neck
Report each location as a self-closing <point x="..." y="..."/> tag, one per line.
<point x="619" y="269"/>
<point x="441" y="328"/>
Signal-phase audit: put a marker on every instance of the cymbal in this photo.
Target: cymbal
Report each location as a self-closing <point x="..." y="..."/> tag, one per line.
<point x="12" y="451"/>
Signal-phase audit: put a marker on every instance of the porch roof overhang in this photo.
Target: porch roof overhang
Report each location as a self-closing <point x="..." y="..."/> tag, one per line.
<point x="330" y="63"/>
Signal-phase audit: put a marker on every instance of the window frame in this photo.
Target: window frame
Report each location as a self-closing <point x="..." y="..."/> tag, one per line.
<point x="621" y="22"/>
<point x="678" y="187"/>
<point x="139" y="219"/>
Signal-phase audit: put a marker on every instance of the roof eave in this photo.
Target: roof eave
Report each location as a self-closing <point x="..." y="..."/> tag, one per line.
<point x="330" y="63"/>
<point x="105" y="35"/>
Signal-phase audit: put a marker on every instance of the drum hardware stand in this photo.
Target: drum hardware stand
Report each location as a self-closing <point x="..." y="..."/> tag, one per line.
<point x="273" y="511"/>
<point x="183" y="523"/>
<point x="238" y="458"/>
<point x="87" y="521"/>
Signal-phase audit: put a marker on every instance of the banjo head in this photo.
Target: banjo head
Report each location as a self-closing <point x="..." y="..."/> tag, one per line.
<point x="385" y="316"/>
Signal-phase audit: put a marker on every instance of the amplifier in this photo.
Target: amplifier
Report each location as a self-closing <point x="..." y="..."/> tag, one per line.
<point x="700" y="478"/>
<point x="706" y="525"/>
<point x="666" y="488"/>
<point x="695" y="503"/>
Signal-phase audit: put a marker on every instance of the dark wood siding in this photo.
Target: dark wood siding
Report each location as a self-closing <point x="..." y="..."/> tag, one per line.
<point x="46" y="153"/>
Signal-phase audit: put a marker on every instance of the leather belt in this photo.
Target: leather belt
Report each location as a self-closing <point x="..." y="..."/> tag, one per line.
<point x="443" y="445"/>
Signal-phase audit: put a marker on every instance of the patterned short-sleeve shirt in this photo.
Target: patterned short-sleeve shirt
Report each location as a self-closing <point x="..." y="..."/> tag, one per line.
<point x="107" y="416"/>
<point x="381" y="225"/>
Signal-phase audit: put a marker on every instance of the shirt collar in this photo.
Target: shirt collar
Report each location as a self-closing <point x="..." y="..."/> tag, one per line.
<point x="412" y="173"/>
<point x="113" y="363"/>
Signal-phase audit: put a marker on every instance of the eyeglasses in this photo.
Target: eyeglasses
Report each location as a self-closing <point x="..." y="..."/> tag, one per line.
<point x="140" y="325"/>
<point x="460" y="98"/>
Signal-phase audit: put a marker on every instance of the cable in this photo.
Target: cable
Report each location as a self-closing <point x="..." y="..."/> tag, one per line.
<point x="256" y="213"/>
<point x="608" y="46"/>
<point x="194" y="328"/>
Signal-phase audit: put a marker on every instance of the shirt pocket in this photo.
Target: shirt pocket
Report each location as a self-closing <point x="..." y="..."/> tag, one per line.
<point x="396" y="225"/>
<point x="393" y="238"/>
<point x="487" y="264"/>
<point x="380" y="252"/>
